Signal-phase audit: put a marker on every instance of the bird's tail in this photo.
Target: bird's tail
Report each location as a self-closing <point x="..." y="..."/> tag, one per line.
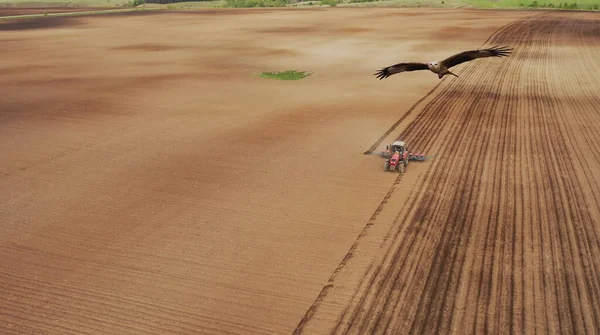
<point x="452" y="74"/>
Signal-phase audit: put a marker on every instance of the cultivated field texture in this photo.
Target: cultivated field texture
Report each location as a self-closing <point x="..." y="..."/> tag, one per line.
<point x="501" y="232"/>
<point x="151" y="182"/>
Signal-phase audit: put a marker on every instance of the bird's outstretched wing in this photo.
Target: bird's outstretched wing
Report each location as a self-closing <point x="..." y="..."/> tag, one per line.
<point x="466" y="56"/>
<point x="400" y="67"/>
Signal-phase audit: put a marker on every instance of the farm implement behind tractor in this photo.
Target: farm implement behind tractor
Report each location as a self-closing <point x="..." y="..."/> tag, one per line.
<point x="397" y="157"/>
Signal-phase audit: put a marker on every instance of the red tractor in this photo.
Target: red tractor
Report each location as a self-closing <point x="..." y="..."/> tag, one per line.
<point x="396" y="157"/>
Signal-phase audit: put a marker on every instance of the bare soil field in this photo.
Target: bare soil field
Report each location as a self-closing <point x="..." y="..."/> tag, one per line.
<point x="151" y="183"/>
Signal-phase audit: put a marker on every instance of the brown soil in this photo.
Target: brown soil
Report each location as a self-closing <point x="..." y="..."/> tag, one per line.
<point x="152" y="184"/>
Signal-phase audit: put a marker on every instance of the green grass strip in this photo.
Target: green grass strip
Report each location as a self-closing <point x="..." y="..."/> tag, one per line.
<point x="286" y="75"/>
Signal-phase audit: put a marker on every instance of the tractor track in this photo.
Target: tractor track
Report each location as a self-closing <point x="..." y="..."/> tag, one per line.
<point x="402" y="118"/>
<point x="501" y="232"/>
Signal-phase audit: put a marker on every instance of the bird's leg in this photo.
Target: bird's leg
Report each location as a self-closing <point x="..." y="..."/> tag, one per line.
<point x="452" y="74"/>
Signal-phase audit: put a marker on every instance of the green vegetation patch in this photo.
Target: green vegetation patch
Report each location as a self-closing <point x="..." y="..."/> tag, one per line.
<point x="484" y="4"/>
<point x="578" y="4"/>
<point x="286" y="75"/>
<point x="97" y="12"/>
<point x="255" y="3"/>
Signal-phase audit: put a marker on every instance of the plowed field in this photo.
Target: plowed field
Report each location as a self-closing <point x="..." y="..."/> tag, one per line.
<point x="501" y="231"/>
<point x="151" y="183"/>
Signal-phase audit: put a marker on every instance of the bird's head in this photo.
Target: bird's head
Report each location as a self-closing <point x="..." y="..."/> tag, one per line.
<point x="433" y="63"/>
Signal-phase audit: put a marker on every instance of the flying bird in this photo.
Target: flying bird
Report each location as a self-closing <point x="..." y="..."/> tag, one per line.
<point x="441" y="68"/>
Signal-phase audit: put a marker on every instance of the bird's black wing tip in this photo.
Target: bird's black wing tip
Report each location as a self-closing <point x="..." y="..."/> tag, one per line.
<point x="504" y="50"/>
<point x="381" y="74"/>
<point x="505" y="47"/>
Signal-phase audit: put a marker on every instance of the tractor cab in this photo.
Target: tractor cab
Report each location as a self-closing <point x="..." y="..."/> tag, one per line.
<point x="399" y="146"/>
<point x="397" y="156"/>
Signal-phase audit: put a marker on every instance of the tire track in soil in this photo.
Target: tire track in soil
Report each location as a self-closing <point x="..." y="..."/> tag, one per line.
<point x="501" y="235"/>
<point x="403" y="117"/>
<point x="313" y="308"/>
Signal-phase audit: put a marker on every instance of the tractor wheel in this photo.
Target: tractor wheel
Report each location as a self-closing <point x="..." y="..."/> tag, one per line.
<point x="386" y="165"/>
<point x="406" y="163"/>
<point x="401" y="168"/>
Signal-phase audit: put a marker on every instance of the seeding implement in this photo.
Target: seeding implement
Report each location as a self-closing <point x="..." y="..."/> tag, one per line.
<point x="397" y="157"/>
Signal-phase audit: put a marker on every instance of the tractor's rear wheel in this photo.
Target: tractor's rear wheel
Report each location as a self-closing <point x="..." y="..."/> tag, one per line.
<point x="386" y="165"/>
<point x="401" y="168"/>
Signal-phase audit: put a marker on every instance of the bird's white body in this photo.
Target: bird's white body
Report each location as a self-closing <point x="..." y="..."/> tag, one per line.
<point x="434" y="67"/>
<point x="439" y="69"/>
